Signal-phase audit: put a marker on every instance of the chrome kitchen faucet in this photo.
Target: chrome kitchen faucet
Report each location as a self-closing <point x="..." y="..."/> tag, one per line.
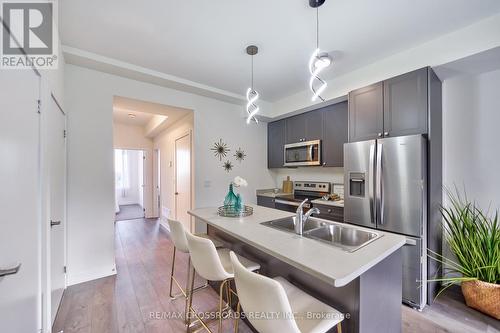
<point x="301" y="218"/>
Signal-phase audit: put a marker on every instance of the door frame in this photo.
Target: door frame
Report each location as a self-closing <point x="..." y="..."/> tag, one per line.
<point x="157" y="207"/>
<point x="65" y="212"/>
<point x="180" y="136"/>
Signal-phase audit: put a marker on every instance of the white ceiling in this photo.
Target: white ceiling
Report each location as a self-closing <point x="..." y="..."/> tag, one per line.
<point x="144" y="111"/>
<point x="121" y="116"/>
<point x="204" y="41"/>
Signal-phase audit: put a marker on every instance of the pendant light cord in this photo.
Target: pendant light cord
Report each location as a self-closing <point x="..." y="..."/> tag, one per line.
<point x="252" y="72"/>
<point x="317" y="27"/>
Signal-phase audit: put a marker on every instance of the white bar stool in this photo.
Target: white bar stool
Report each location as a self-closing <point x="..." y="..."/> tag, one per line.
<point x="178" y="237"/>
<point x="259" y="294"/>
<point x="214" y="265"/>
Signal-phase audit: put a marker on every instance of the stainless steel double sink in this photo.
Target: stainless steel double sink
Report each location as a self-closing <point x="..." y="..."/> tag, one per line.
<point x="348" y="238"/>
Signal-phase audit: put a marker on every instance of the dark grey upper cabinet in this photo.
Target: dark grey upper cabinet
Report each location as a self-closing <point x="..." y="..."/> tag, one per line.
<point x="276" y="133"/>
<point x="334" y="134"/>
<point x="314" y="125"/>
<point x="295" y="128"/>
<point x="366" y="113"/>
<point x="405" y="104"/>
<point x="304" y="127"/>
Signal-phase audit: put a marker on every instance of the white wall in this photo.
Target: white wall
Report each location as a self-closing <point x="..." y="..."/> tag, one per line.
<point x="89" y="97"/>
<point x="165" y="142"/>
<point x="471" y="118"/>
<point x="130" y="137"/>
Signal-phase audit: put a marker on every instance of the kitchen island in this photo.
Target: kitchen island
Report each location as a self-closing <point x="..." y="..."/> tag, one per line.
<point x="365" y="284"/>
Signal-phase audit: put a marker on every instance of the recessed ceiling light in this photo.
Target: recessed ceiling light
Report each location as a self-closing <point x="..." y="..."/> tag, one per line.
<point x="131" y="115"/>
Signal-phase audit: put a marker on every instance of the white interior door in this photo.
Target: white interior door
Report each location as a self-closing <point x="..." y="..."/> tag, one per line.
<point x="56" y="153"/>
<point x="20" y="224"/>
<point x="183" y="180"/>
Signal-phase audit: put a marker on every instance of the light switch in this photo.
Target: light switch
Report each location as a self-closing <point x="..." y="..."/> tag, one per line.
<point x="207" y="183"/>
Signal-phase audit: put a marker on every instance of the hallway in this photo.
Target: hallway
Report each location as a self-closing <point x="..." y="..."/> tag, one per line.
<point x="129" y="212"/>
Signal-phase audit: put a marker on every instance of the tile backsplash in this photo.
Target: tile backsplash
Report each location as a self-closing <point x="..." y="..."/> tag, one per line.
<point x="319" y="174"/>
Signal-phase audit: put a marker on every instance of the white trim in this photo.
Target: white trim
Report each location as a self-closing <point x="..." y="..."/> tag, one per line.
<point x="112" y="66"/>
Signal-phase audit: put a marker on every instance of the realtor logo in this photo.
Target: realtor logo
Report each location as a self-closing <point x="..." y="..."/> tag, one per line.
<point x="28" y="35"/>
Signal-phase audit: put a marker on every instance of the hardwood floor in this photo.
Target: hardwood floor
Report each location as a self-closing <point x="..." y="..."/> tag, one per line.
<point x="136" y="299"/>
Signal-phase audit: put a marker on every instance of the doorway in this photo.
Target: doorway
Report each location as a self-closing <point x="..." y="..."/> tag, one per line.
<point x="183" y="180"/>
<point x="129" y="184"/>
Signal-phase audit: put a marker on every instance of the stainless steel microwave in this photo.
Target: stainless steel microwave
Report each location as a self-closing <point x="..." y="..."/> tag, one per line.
<point x="306" y="153"/>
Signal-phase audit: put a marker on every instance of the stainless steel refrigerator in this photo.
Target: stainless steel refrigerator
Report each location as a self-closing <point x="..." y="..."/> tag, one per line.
<point x="386" y="189"/>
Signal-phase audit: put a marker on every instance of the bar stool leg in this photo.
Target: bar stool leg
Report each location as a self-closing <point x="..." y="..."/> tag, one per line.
<point x="221" y="301"/>
<point x="189" y="300"/>
<point x="172" y="274"/>
<point x="339" y="328"/>
<point x="236" y="317"/>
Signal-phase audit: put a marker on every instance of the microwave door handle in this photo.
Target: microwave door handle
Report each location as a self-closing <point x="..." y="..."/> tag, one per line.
<point x="379" y="187"/>
<point x="311" y="152"/>
<point x="371" y="183"/>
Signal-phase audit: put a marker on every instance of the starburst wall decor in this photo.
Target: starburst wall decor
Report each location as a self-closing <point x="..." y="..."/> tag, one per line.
<point x="220" y="149"/>
<point x="240" y="155"/>
<point x="228" y="166"/>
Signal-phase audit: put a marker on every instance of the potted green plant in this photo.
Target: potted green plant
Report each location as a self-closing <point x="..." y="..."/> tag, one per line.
<point x="474" y="238"/>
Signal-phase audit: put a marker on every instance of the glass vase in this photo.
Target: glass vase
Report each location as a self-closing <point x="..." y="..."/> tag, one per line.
<point x="231" y="198"/>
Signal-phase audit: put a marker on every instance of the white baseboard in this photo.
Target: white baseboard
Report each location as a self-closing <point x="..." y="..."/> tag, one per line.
<point x="90" y="275"/>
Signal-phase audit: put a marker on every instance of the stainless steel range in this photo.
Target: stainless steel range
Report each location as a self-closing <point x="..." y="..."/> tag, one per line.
<point x="301" y="191"/>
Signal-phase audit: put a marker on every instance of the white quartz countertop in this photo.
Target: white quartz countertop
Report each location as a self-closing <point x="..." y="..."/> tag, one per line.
<point x="328" y="263"/>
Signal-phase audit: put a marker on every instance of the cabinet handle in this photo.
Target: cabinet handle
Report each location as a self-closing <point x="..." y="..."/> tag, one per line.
<point x="379" y="135"/>
<point x="324" y="163"/>
<point x="386" y="133"/>
<point x="329" y="211"/>
<point x="54" y="223"/>
<point x="10" y="271"/>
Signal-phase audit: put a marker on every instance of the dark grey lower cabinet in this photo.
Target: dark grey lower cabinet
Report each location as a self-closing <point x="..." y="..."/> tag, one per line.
<point x="335" y="124"/>
<point x="265" y="201"/>
<point x="328" y="212"/>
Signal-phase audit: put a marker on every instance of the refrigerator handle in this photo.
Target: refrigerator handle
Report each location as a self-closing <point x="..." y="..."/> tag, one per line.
<point x="371" y="184"/>
<point x="379" y="193"/>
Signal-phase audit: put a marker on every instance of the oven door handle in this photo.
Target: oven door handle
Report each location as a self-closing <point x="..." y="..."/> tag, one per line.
<point x="291" y="203"/>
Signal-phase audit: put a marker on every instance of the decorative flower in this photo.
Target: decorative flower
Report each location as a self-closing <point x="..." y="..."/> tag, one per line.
<point x="220" y="149"/>
<point x="240" y="155"/>
<point x="238" y="181"/>
<point x="228" y="166"/>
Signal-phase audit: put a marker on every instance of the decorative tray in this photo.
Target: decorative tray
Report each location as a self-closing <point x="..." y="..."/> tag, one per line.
<point x="231" y="211"/>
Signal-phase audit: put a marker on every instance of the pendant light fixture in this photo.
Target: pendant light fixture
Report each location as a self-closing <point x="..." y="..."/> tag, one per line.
<point x="252" y="95"/>
<point x="318" y="61"/>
